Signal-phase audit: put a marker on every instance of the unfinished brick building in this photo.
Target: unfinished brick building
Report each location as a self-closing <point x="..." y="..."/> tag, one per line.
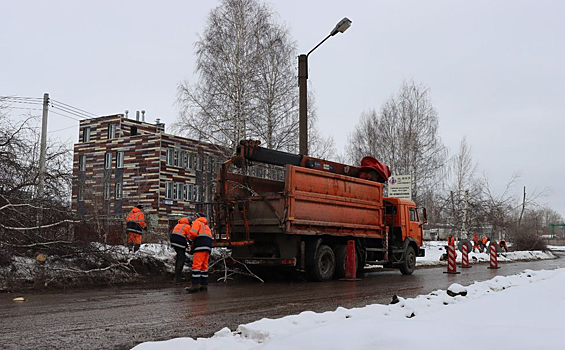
<point x="121" y="162"/>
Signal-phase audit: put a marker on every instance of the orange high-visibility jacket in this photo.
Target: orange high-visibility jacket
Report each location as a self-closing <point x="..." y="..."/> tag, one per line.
<point x="485" y="240"/>
<point x="135" y="221"/>
<point x="201" y="234"/>
<point x="181" y="233"/>
<point x="450" y="240"/>
<point x="475" y="238"/>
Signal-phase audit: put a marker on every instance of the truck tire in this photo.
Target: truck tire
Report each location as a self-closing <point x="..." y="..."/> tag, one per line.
<point x="323" y="266"/>
<point x="409" y="263"/>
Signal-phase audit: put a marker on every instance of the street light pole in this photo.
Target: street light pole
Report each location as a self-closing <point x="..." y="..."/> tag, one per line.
<point x="341" y="27"/>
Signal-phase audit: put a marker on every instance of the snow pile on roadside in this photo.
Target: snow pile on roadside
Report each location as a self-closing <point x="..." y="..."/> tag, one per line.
<point x="557" y="248"/>
<point x="522" y="311"/>
<point x="435" y="249"/>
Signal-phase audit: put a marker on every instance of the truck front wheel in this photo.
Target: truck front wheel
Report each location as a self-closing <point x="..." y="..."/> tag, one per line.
<point x="409" y="263"/>
<point x="323" y="266"/>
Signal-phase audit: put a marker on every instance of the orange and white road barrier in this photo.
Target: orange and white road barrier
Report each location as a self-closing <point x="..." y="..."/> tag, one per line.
<point x="465" y="256"/>
<point x="493" y="257"/>
<point x="451" y="265"/>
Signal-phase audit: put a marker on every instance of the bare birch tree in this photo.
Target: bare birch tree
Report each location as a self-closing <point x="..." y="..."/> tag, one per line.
<point x="404" y="135"/>
<point x="246" y="85"/>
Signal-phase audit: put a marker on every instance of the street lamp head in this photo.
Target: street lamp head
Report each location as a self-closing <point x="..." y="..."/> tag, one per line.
<point x="341" y="27"/>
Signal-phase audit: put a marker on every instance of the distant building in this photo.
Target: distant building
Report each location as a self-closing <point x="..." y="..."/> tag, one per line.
<point x="120" y="162"/>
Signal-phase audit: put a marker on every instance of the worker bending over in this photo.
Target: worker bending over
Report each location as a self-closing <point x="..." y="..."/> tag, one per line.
<point x="179" y="241"/>
<point x="201" y="238"/>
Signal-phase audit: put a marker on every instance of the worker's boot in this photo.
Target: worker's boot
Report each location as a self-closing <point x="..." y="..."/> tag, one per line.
<point x="204" y="288"/>
<point x="192" y="289"/>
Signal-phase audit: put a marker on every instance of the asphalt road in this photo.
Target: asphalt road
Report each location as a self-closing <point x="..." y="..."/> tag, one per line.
<point x="113" y="318"/>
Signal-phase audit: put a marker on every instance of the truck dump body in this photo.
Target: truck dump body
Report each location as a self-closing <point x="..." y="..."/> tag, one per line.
<point x="309" y="202"/>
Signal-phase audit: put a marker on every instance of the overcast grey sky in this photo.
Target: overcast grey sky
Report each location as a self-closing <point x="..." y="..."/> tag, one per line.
<point x="495" y="69"/>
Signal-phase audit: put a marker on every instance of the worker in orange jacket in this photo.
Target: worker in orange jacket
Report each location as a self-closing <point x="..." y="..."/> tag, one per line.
<point x="484" y="241"/>
<point x="179" y="242"/>
<point x="135" y="225"/>
<point x="201" y="238"/>
<point x="476" y="244"/>
<point x="451" y="240"/>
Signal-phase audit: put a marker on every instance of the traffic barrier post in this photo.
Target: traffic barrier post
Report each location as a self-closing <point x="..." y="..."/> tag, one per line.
<point x="493" y="257"/>
<point x="465" y="257"/>
<point x="350" y="264"/>
<point x="451" y="265"/>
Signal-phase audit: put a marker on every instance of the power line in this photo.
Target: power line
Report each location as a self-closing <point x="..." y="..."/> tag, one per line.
<point x="64" y="109"/>
<point x="21" y="98"/>
<point x="66" y="116"/>
<point x="82" y="110"/>
<point x="72" y="126"/>
<point x="26" y="108"/>
<point x="24" y="102"/>
<point x="61" y="106"/>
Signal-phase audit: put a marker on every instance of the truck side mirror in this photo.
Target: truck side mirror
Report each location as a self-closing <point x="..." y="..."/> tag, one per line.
<point x="424" y="215"/>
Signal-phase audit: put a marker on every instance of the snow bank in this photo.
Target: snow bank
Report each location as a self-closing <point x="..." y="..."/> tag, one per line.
<point x="434" y="249"/>
<point x="523" y="311"/>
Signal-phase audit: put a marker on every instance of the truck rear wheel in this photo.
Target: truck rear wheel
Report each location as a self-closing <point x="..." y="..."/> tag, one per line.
<point x="323" y="266"/>
<point x="409" y="263"/>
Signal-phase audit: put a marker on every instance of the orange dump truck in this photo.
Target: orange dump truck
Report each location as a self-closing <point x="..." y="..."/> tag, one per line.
<point x="305" y="221"/>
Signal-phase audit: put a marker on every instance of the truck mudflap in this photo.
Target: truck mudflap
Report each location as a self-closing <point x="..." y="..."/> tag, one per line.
<point x="421" y="252"/>
<point x="268" y="261"/>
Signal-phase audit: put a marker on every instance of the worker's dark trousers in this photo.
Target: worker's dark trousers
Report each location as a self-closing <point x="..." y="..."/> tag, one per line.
<point x="179" y="263"/>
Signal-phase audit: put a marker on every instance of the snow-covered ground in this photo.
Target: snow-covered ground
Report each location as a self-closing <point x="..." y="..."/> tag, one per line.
<point x="557" y="248"/>
<point x="523" y="311"/>
<point x="434" y="249"/>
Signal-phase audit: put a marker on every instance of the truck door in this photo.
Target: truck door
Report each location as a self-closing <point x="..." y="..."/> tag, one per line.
<point x="414" y="226"/>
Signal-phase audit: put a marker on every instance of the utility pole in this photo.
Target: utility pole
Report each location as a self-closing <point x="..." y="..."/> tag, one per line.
<point x="42" y="154"/>
<point x="303" y="104"/>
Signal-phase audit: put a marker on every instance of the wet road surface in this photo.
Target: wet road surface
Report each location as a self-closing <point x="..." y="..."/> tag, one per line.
<point x="114" y="318"/>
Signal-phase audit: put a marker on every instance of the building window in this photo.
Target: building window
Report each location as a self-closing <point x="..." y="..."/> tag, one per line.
<point x="108" y="160"/>
<point x="119" y="188"/>
<point x="86" y="134"/>
<point x="107" y="190"/>
<point x="170" y="157"/>
<point x="198" y="193"/>
<point x="199" y="162"/>
<point x="190" y="161"/>
<point x="188" y="189"/>
<point x="181" y="159"/>
<point x="120" y="159"/>
<point x="133" y="130"/>
<point x="178" y="187"/>
<point x="112" y="131"/>
<point x="169" y="190"/>
<point x="82" y="163"/>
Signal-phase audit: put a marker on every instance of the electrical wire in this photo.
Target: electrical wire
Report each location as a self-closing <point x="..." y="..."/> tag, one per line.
<point x="68" y="112"/>
<point x="72" y="126"/>
<point x="76" y="114"/>
<point x="64" y="109"/>
<point x="21" y="98"/>
<point x="81" y="110"/>
<point x="24" y="102"/>
<point x="66" y="116"/>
